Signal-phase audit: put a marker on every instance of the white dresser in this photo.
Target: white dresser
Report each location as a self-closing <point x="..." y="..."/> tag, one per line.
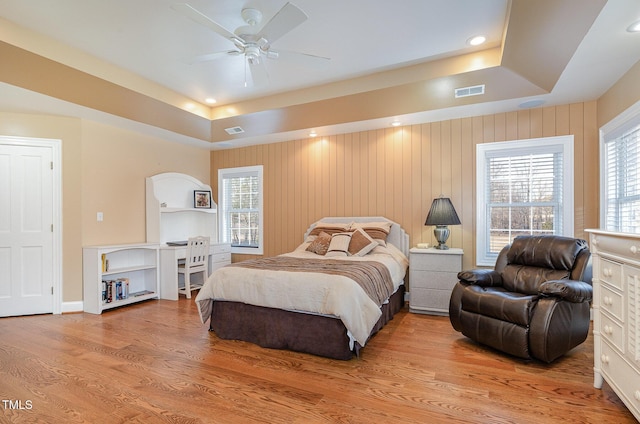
<point x="432" y="275"/>
<point x="616" y="308"/>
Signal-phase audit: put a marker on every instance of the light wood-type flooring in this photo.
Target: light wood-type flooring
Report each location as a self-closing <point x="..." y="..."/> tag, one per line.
<point x="155" y="362"/>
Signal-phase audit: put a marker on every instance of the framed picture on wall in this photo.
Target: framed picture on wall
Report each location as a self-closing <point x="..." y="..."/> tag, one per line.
<point x="202" y="199"/>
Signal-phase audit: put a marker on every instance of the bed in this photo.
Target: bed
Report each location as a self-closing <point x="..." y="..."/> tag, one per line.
<point x="327" y="297"/>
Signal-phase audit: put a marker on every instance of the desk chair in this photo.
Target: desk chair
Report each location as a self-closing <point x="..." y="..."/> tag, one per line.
<point x="197" y="260"/>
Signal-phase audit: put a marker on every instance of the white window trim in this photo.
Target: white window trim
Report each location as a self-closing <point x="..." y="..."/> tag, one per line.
<point x="482" y="257"/>
<point x="608" y="130"/>
<point x="222" y="208"/>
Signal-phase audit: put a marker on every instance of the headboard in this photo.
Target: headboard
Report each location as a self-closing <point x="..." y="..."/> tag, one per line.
<point x="397" y="236"/>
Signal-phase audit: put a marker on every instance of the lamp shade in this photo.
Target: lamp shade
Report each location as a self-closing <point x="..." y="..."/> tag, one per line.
<point x="442" y="212"/>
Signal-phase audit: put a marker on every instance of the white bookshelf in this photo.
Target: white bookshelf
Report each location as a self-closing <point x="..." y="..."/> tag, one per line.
<point x="136" y="266"/>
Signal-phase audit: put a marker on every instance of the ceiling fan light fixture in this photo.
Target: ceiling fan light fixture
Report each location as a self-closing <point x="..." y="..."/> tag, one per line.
<point x="252" y="53"/>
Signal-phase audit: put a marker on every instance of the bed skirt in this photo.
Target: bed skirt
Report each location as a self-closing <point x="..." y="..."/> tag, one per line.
<point x="280" y="329"/>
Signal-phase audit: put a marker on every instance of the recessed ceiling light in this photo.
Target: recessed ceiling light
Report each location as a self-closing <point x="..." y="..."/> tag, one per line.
<point x="396" y="123"/>
<point x="313" y="134"/>
<point x="210" y="100"/>
<point x="634" y="27"/>
<point x="477" y="40"/>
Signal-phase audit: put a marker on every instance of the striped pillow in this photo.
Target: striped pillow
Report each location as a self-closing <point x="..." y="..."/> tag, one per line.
<point x="339" y="245"/>
<point x="330" y="228"/>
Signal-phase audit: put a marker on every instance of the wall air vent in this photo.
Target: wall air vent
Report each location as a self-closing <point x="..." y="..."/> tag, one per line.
<point x="234" y="130"/>
<point x="469" y="91"/>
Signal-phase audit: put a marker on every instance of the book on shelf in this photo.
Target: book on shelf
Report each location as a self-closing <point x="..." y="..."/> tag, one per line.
<point x="114" y="290"/>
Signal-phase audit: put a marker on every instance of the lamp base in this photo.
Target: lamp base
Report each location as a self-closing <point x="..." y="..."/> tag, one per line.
<point x="442" y="234"/>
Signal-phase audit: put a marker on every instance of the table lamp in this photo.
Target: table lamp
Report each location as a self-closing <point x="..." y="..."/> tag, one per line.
<point x="441" y="214"/>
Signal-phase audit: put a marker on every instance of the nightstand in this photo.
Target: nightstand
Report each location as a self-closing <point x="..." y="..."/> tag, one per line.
<point x="432" y="275"/>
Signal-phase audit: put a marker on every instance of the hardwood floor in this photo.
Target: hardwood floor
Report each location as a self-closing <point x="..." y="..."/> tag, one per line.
<point x="155" y="362"/>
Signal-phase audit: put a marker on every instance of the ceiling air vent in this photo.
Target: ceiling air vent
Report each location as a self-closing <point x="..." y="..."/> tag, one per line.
<point x="234" y="130"/>
<point x="469" y="91"/>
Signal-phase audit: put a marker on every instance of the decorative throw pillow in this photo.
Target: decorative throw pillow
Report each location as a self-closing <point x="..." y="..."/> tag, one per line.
<point x="320" y="245"/>
<point x="330" y="228"/>
<point x="379" y="231"/>
<point x="361" y="243"/>
<point x="339" y="245"/>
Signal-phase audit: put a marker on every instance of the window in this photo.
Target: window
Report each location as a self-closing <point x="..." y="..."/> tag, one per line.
<point x="523" y="187"/>
<point x="240" y="198"/>
<point x="620" y="173"/>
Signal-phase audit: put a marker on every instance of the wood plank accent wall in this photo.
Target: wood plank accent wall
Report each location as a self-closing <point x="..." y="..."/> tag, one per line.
<point x="396" y="173"/>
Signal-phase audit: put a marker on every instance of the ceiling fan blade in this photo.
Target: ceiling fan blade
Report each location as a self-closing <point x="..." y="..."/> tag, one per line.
<point x="213" y="56"/>
<point x="284" y="21"/>
<point x="259" y="74"/>
<point x="302" y="59"/>
<point x="202" y="19"/>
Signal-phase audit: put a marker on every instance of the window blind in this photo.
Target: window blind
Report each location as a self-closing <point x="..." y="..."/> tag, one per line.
<point x="524" y="193"/>
<point x="622" y="184"/>
<point x="241" y="208"/>
<point x="524" y="187"/>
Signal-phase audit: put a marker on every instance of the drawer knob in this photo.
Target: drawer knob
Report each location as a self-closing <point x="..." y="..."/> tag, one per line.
<point x="634" y="249"/>
<point x="604" y="358"/>
<point x="608" y="329"/>
<point x="608" y="301"/>
<point x="637" y="395"/>
<point x="607" y="272"/>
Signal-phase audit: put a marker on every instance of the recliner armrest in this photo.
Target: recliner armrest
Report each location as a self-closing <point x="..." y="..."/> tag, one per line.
<point x="570" y="290"/>
<point x="481" y="277"/>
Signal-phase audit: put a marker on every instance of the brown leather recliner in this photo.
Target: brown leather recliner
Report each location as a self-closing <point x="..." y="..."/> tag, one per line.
<point x="534" y="304"/>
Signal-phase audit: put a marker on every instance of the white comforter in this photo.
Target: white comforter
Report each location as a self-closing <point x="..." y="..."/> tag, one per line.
<point x="324" y="294"/>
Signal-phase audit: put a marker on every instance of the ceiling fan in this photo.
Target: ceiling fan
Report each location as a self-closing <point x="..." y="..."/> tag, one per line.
<point x="255" y="45"/>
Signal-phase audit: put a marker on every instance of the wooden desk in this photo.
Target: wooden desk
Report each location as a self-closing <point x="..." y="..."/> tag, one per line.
<point x="219" y="256"/>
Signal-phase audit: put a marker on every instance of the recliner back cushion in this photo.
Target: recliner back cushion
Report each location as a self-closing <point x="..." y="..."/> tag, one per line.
<point x="552" y="252"/>
<point x="526" y="279"/>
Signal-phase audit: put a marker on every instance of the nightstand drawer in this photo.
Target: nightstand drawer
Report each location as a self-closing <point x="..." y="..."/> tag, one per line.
<point x="433" y="279"/>
<point x="429" y="301"/>
<point x="435" y="262"/>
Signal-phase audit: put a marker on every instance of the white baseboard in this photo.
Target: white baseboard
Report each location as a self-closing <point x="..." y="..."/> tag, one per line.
<point x="69" y="307"/>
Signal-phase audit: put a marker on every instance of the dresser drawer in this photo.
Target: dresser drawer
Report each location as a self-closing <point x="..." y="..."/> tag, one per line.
<point x="611" y="302"/>
<point x="221" y="258"/>
<point x="612" y="331"/>
<point x="618" y="372"/>
<point x="221" y="248"/>
<point x="611" y="273"/>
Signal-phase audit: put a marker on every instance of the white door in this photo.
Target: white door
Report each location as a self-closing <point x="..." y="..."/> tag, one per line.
<point x="26" y="229"/>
